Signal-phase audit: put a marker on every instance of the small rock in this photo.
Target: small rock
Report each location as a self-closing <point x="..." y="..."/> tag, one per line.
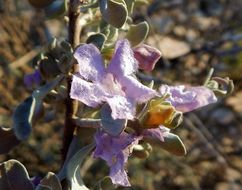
<point x="223" y="116"/>
<point x="227" y="186"/>
<point x="170" y="48"/>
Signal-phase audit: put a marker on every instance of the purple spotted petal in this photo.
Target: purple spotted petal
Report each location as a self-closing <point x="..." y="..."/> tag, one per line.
<point x="136" y="90"/>
<point x="89" y="93"/>
<point x="122" y="107"/>
<point x="115" y="151"/>
<point x="157" y="133"/>
<point x="146" y="56"/>
<point x="90" y="62"/>
<point x="186" y="99"/>
<point x="32" y="79"/>
<point x="123" y="62"/>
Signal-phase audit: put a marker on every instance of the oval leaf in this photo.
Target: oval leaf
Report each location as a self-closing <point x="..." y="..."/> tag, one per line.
<point x="14" y="176"/>
<point x="97" y="39"/>
<point x="137" y="33"/>
<point x="42" y="91"/>
<point x="56" y="9"/>
<point x="8" y="140"/>
<point x="173" y="144"/>
<point x="22" y="118"/>
<point x="113" y="127"/>
<point x="114" y="12"/>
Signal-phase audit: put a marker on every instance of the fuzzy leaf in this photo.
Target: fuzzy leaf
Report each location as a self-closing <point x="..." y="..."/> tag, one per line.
<point x="138" y="33"/>
<point x="14" y="176"/>
<point x="7" y="140"/>
<point x="50" y="181"/>
<point x="42" y="91"/>
<point x="73" y="168"/>
<point x="56" y="9"/>
<point x="173" y="144"/>
<point x="22" y="118"/>
<point x="97" y="39"/>
<point x="113" y="127"/>
<point x="114" y="12"/>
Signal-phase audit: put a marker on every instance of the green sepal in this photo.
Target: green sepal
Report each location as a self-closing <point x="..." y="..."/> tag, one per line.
<point x="173" y="144"/>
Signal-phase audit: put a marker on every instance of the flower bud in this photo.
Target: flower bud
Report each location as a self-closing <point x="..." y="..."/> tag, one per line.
<point x="221" y="86"/>
<point x="48" y="68"/>
<point x="142" y="151"/>
<point x="146" y="56"/>
<point x="161" y="114"/>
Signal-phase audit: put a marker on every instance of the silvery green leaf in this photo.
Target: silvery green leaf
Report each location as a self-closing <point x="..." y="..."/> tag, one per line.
<point x="56" y="9"/>
<point x="113" y="127"/>
<point x="173" y="144"/>
<point x="42" y="91"/>
<point x="114" y="12"/>
<point x="130" y="5"/>
<point x="138" y="33"/>
<point x="73" y="168"/>
<point x="97" y="39"/>
<point x="22" y="118"/>
<point x="50" y="181"/>
<point x="14" y="176"/>
<point x="8" y="140"/>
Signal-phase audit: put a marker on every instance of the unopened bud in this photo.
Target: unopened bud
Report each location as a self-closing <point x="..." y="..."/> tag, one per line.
<point x="146" y="56"/>
<point x="142" y="151"/>
<point x="49" y="68"/>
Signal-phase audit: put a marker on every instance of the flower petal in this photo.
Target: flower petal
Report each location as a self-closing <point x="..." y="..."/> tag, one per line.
<point x="157" y="133"/>
<point x="90" y="62"/>
<point x="123" y="62"/>
<point x="186" y="99"/>
<point x="118" y="174"/>
<point x="136" y="90"/>
<point x="32" y="79"/>
<point x="122" y="107"/>
<point x="115" y="151"/>
<point x="146" y="56"/>
<point x="90" y="94"/>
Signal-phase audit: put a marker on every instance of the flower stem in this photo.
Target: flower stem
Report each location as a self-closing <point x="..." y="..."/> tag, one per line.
<point x="71" y="105"/>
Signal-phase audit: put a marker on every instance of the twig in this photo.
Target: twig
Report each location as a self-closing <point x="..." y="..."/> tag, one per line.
<point x="25" y="59"/>
<point x="219" y="156"/>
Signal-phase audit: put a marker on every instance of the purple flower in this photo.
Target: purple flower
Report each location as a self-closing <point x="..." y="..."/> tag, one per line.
<point x="32" y="79"/>
<point x="186" y="99"/>
<point x="115" y="84"/>
<point x="146" y="56"/>
<point x="116" y="150"/>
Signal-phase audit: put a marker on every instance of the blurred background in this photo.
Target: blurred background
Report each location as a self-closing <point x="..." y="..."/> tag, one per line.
<point x="193" y="35"/>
